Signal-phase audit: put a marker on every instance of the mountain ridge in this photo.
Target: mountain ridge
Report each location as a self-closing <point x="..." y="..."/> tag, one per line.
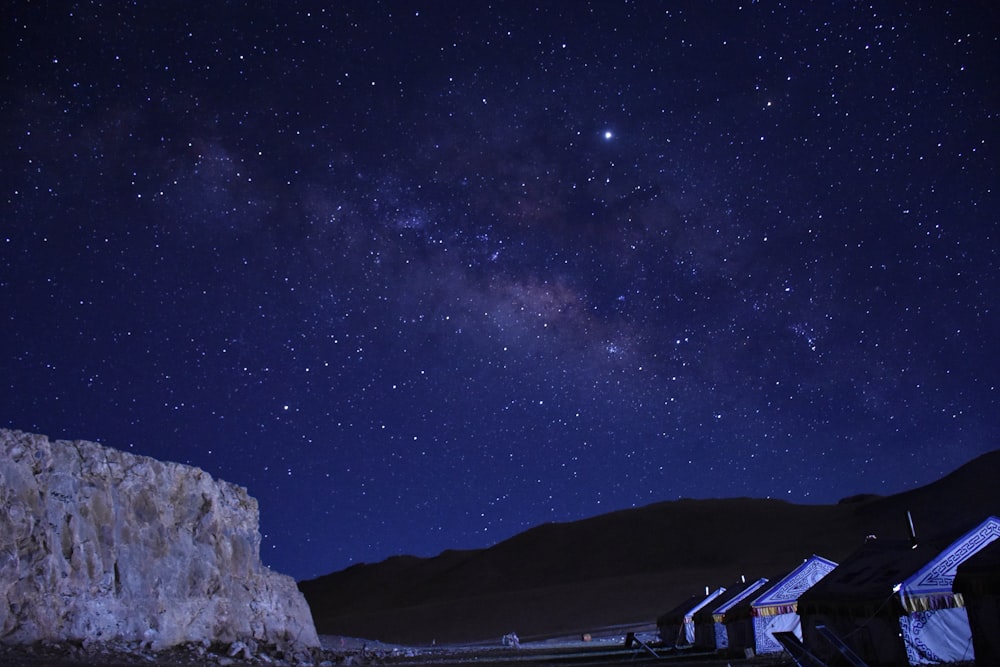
<point x="627" y="565"/>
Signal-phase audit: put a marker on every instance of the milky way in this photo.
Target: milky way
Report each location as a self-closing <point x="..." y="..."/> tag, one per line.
<point x="422" y="277"/>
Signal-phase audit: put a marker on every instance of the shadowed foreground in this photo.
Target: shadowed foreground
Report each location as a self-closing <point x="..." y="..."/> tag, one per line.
<point x="609" y="650"/>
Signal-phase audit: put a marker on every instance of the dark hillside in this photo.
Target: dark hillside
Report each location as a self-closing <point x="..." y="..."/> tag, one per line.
<point x="626" y="566"/>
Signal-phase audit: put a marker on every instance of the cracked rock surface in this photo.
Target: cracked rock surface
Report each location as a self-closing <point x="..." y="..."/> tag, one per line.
<point x="100" y="545"/>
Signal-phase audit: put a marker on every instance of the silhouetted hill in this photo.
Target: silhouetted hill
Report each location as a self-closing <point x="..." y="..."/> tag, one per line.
<point x="626" y="566"/>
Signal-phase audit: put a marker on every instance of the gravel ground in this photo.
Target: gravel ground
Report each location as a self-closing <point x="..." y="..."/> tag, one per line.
<point x="595" y="652"/>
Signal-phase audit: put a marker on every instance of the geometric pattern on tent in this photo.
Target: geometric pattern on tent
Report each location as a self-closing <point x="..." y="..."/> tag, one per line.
<point x="777" y="609"/>
<point x="783" y="596"/>
<point x="930" y="586"/>
<point x="937" y="636"/>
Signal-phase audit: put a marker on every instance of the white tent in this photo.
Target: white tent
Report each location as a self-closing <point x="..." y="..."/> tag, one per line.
<point x="935" y="625"/>
<point x="677" y="625"/>
<point x="776" y="609"/>
<point x="688" y="627"/>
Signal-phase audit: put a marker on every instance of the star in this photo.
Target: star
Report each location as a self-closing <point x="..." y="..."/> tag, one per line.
<point x="399" y="291"/>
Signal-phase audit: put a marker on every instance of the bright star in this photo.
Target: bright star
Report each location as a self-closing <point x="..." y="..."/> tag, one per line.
<point x="608" y="135"/>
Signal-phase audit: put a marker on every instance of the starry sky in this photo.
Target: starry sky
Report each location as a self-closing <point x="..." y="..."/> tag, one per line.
<point x="423" y="275"/>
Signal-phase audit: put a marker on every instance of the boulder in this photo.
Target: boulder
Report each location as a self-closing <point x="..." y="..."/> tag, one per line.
<point x="100" y="545"/>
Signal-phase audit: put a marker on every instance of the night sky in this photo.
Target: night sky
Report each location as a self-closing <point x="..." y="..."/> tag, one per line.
<point x="424" y="275"/>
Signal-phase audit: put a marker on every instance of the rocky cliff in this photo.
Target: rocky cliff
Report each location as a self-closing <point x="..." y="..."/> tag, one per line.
<point x="102" y="545"/>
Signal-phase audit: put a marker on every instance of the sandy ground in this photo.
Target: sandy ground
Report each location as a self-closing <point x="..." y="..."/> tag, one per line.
<point x="601" y="648"/>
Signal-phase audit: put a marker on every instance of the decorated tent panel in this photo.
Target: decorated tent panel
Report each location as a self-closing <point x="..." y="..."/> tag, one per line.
<point x="898" y="602"/>
<point x="935" y="624"/>
<point x="776" y="610"/>
<point x="930" y="587"/>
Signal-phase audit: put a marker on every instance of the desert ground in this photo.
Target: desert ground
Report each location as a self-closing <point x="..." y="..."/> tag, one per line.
<point x="607" y="647"/>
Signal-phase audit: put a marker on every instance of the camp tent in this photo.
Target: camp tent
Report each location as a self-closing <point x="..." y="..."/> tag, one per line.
<point x="677" y="625"/>
<point x="978" y="582"/>
<point x="671" y="624"/>
<point x="739" y="626"/>
<point x="710" y="622"/>
<point x="855" y="601"/>
<point x="893" y="603"/>
<point x="776" y="610"/>
<point x="935" y="624"/>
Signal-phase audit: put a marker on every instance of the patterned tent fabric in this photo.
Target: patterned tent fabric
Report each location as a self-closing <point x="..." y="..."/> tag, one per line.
<point x="783" y="597"/>
<point x="893" y="601"/>
<point x="930" y="587"/>
<point x="776" y="610"/>
<point x="936" y="626"/>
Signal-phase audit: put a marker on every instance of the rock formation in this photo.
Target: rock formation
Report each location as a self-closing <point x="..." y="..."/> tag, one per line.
<point x="101" y="545"/>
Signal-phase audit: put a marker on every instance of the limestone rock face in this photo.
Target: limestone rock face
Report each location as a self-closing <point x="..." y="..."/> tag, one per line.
<point x="98" y="544"/>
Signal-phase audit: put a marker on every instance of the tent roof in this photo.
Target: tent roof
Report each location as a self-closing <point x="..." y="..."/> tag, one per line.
<point x="981" y="573"/>
<point x="742" y="608"/>
<point x="711" y="597"/>
<point x="733" y="596"/>
<point x="677" y="613"/>
<point x="869" y="573"/>
<point x="938" y="575"/>
<point x="790" y="587"/>
<point x="690" y="606"/>
<point x="872" y="574"/>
